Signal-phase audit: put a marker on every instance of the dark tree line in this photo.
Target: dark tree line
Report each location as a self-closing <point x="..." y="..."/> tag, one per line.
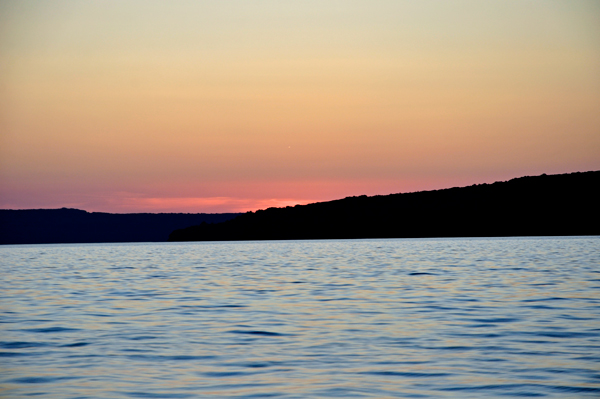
<point x="543" y="205"/>
<point x="41" y="226"/>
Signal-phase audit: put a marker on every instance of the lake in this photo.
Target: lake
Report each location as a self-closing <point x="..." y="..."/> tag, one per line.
<point x="397" y="318"/>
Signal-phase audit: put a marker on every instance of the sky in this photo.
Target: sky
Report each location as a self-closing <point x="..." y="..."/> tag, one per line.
<point x="230" y="106"/>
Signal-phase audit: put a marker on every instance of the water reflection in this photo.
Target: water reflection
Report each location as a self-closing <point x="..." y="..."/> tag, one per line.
<point x="370" y="318"/>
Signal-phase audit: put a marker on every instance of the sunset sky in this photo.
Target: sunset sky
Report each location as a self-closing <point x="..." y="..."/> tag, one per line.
<point x="219" y="106"/>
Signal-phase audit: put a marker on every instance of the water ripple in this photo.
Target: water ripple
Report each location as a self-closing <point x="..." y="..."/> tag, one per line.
<point x="417" y="318"/>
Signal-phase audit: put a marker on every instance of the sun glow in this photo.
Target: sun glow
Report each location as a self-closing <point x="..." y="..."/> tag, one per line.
<point x="225" y="106"/>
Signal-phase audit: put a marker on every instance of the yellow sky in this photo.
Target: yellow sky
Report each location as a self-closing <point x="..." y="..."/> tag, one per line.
<point x="206" y="106"/>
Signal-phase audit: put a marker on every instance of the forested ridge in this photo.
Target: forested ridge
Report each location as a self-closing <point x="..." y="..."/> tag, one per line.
<point x="565" y="204"/>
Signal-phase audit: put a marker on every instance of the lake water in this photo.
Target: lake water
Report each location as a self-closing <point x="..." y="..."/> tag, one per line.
<point x="417" y="318"/>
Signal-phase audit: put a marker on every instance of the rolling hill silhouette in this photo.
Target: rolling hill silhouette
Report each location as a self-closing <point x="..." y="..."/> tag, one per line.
<point x="565" y="204"/>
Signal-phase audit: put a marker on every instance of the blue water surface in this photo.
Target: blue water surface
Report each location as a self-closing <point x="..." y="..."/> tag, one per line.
<point x="401" y="318"/>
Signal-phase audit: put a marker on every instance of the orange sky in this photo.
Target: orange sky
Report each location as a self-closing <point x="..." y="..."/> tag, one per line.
<point x="231" y="106"/>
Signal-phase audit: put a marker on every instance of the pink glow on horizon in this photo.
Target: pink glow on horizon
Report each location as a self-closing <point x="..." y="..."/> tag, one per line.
<point x="204" y="205"/>
<point x="238" y="196"/>
<point x="128" y="204"/>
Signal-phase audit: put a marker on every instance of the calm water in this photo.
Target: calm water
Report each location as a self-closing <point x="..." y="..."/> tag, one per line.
<point x="424" y="318"/>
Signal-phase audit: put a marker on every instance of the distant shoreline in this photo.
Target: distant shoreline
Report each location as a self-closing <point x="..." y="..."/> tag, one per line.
<point x="530" y="206"/>
<point x="545" y="205"/>
<point x="75" y="226"/>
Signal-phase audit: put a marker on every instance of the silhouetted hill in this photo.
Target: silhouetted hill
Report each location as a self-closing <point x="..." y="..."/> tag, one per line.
<point x="39" y="226"/>
<point x="564" y="204"/>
